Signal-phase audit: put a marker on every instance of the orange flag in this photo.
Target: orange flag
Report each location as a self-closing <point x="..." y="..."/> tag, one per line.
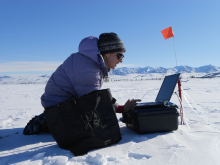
<point x="167" y="33"/>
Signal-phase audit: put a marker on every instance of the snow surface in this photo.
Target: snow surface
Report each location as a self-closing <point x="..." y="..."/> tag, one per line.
<point x="197" y="143"/>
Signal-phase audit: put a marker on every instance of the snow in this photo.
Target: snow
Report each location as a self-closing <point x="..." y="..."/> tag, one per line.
<point x="197" y="143"/>
<point x="179" y="69"/>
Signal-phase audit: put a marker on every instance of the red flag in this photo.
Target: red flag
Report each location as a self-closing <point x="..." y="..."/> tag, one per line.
<point x="167" y="33"/>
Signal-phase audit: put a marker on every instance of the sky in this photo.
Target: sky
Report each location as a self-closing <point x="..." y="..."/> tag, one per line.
<point x="36" y="36"/>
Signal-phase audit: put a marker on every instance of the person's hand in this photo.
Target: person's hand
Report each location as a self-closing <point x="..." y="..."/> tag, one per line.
<point x="130" y="103"/>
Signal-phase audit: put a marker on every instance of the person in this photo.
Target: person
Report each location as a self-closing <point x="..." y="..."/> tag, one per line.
<point x="82" y="73"/>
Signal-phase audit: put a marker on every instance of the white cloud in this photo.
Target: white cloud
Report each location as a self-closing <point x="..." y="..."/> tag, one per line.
<point x="28" y="66"/>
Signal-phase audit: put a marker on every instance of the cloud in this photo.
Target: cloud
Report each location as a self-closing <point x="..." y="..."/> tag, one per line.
<point x="25" y="66"/>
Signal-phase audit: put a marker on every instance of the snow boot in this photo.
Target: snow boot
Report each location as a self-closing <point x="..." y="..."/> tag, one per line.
<point x="36" y="125"/>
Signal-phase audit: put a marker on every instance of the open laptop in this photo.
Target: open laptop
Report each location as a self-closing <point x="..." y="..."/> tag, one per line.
<point x="165" y="92"/>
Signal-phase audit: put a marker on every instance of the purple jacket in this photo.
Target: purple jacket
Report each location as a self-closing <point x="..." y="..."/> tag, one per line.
<point x="80" y="73"/>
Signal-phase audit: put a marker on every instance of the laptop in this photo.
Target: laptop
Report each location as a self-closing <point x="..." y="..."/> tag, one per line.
<point x="165" y="92"/>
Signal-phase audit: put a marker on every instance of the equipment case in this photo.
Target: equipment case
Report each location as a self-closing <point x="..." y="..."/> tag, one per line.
<point x="150" y="120"/>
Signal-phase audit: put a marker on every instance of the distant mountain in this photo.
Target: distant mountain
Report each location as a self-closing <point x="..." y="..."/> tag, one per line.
<point x="210" y="70"/>
<point x="179" y="69"/>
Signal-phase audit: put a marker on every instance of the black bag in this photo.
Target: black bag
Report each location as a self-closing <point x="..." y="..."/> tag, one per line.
<point x="151" y="120"/>
<point x="84" y="123"/>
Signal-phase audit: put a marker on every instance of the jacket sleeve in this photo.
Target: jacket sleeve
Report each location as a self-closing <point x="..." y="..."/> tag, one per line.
<point x="120" y="109"/>
<point x="87" y="82"/>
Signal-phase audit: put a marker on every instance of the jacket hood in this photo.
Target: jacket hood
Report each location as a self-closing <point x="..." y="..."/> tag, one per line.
<point x="89" y="48"/>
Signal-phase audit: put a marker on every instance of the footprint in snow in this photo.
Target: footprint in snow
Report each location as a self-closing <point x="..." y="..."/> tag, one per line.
<point x="138" y="156"/>
<point x="175" y="146"/>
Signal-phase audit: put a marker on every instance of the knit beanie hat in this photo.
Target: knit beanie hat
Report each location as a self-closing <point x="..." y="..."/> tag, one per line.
<point x="110" y="43"/>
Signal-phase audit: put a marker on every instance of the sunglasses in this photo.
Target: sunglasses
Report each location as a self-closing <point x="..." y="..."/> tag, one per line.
<point x="120" y="56"/>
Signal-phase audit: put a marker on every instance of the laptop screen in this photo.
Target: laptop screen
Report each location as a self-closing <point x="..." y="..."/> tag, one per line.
<point x="167" y="88"/>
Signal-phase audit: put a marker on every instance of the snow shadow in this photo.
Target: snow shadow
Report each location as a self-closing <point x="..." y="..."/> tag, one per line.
<point x="129" y="135"/>
<point x="26" y="154"/>
<point x="17" y="147"/>
<point x="14" y="138"/>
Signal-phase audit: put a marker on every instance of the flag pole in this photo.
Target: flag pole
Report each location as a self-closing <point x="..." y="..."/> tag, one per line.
<point x="181" y="107"/>
<point x="175" y="53"/>
<point x="179" y="89"/>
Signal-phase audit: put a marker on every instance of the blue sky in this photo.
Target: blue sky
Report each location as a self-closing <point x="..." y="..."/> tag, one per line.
<point x="38" y="35"/>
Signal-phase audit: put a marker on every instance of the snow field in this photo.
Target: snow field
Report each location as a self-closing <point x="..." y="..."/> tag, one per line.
<point x="199" y="144"/>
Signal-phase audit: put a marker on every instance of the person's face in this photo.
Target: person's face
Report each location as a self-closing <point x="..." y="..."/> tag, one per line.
<point x="111" y="60"/>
